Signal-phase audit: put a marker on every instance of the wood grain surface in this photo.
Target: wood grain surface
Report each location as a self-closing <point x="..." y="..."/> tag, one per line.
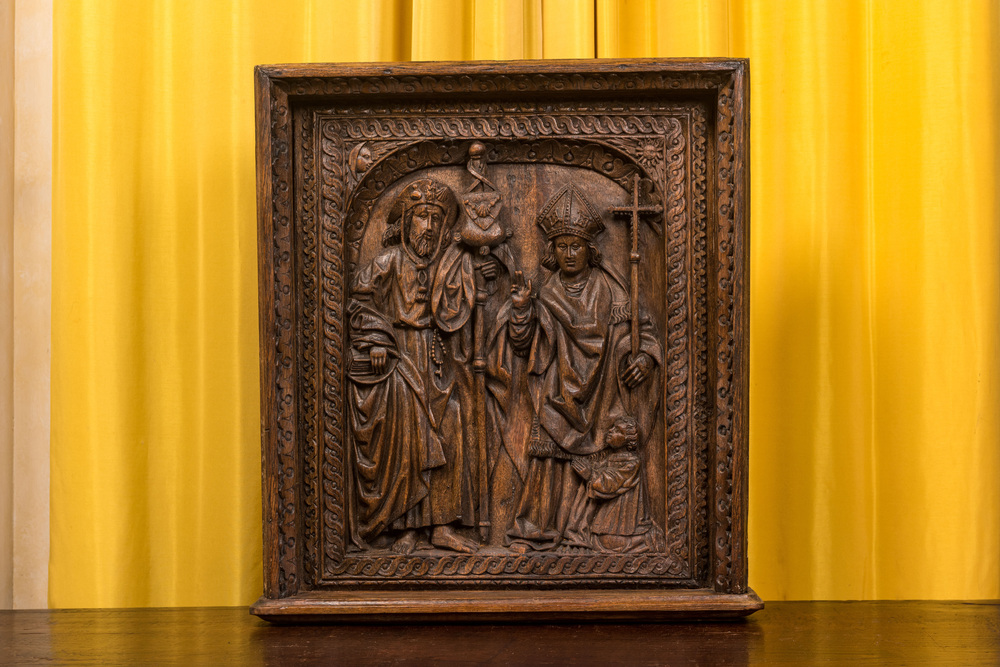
<point x="498" y="606"/>
<point x="883" y="633"/>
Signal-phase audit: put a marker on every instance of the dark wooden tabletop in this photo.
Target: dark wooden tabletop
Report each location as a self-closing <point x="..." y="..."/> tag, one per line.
<point x="884" y="633"/>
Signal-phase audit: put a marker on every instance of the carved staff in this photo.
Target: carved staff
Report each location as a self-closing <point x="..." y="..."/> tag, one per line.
<point x="634" y="213"/>
<point x="483" y="233"/>
<point x="479" y="369"/>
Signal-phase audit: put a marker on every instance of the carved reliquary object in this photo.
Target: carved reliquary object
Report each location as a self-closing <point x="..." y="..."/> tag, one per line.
<point x="504" y="328"/>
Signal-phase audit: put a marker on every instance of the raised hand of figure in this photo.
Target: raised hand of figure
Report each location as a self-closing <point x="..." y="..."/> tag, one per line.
<point x="378" y="355"/>
<point x="637" y="371"/>
<point x="581" y="468"/>
<point x="490" y="268"/>
<point x="520" y="291"/>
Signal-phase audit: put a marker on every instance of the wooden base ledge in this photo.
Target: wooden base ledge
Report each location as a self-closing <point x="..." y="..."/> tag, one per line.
<point x="510" y="606"/>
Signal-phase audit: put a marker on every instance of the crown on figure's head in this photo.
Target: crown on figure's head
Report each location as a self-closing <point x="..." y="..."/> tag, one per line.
<point x="569" y="212"/>
<point x="425" y="191"/>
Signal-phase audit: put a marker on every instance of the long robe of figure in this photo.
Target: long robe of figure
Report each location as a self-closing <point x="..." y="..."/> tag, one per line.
<point x="408" y="434"/>
<point x="610" y="512"/>
<point x="573" y="340"/>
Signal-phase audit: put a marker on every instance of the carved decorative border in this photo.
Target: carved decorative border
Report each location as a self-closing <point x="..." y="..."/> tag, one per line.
<point x="333" y="536"/>
<point x="550" y="569"/>
<point x="307" y="289"/>
<point x="729" y="573"/>
<point x="701" y="408"/>
<point x="301" y="83"/>
<point x="278" y="401"/>
<point x="676" y="356"/>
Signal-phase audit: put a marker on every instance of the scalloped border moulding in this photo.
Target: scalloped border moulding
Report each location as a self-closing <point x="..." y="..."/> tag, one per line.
<point x="682" y="125"/>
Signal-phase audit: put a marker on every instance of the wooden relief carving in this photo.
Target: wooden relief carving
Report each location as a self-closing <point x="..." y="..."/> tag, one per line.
<point x="503" y="324"/>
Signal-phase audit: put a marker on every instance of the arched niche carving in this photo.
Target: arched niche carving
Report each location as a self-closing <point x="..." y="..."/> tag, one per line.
<point x="402" y="160"/>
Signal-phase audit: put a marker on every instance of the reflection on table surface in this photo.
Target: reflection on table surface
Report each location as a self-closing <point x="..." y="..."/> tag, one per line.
<point x="784" y="632"/>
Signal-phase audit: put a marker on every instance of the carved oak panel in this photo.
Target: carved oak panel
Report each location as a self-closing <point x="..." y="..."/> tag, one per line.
<point x="503" y="328"/>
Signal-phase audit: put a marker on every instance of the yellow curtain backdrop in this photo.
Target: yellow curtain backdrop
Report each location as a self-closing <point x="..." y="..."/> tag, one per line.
<point x="875" y="406"/>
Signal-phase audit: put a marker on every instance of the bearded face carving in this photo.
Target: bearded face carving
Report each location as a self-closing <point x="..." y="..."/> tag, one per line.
<point x="425" y="228"/>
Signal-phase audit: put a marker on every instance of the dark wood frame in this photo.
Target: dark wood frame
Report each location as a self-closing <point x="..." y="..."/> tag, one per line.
<point x="302" y="245"/>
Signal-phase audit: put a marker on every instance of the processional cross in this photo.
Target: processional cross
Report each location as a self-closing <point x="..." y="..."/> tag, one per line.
<point x="634" y="212"/>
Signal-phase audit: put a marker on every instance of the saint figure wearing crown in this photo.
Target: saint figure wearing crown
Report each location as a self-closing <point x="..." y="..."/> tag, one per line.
<point x="410" y="393"/>
<point x="572" y="340"/>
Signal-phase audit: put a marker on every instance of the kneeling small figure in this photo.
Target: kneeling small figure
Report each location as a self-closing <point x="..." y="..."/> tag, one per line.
<point x="616" y="513"/>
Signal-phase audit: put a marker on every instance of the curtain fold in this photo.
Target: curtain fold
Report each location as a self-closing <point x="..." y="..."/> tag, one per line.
<point x="875" y="242"/>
